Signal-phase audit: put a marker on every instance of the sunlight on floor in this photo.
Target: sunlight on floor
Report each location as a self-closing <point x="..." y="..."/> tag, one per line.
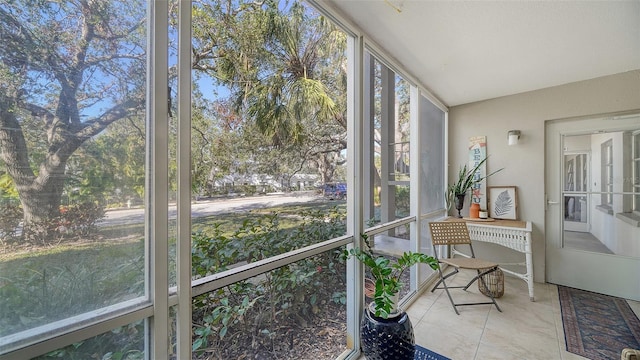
<point x="523" y="330"/>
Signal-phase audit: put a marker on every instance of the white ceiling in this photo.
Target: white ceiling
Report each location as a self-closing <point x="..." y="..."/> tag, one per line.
<point x="467" y="51"/>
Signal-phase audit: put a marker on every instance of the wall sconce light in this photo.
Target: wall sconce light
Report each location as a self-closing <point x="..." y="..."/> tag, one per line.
<point x="514" y="137"/>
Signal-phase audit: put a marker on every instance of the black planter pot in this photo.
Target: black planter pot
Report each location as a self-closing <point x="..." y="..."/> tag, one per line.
<point x="459" y="203"/>
<point x="387" y="339"/>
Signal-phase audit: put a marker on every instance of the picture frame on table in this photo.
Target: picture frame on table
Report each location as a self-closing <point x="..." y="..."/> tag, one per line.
<point x="503" y="202"/>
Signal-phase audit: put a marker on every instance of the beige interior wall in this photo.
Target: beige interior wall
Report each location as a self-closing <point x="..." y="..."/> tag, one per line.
<point x="524" y="163"/>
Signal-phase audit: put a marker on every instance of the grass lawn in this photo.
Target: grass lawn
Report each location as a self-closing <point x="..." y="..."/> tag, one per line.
<point x="45" y="284"/>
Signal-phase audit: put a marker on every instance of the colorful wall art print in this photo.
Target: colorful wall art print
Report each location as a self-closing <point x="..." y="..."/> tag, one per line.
<point x="477" y="152"/>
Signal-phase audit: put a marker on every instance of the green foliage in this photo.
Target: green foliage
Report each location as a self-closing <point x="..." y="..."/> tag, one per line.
<point x="211" y="252"/>
<point x="7" y="188"/>
<point x="386" y="274"/>
<point x="46" y="286"/>
<point x="282" y="55"/>
<point x="261" y="305"/>
<point x="285" y="67"/>
<point x="465" y="180"/>
<point x="403" y="201"/>
<point x="230" y="313"/>
<point x="339" y="297"/>
<point x="111" y="167"/>
<point x="123" y="343"/>
<point x="50" y="284"/>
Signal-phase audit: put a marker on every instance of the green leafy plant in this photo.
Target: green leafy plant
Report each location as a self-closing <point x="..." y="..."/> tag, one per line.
<point x="288" y="297"/>
<point x="386" y="274"/>
<point x="465" y="180"/>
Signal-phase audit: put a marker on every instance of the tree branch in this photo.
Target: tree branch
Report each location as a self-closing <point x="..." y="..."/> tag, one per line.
<point x="97" y="60"/>
<point x="140" y="131"/>
<point x="95" y="126"/>
<point x="39" y="111"/>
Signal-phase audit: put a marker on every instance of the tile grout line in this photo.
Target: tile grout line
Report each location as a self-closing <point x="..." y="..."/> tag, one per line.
<point x="484" y="328"/>
<point x="428" y="308"/>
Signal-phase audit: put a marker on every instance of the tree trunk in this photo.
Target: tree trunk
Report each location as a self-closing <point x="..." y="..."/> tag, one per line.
<point x="41" y="203"/>
<point x="325" y="167"/>
<point x="40" y="198"/>
<point x="39" y="195"/>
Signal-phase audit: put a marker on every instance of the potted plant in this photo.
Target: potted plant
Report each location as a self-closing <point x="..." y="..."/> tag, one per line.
<point x="386" y="331"/>
<point x="457" y="191"/>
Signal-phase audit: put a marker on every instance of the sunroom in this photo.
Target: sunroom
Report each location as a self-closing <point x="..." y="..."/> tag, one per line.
<point x="163" y="163"/>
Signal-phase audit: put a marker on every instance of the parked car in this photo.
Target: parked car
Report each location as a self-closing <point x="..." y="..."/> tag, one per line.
<point x="335" y="191"/>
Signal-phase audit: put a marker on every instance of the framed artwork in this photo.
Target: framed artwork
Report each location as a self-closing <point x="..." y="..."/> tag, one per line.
<point x="503" y="202"/>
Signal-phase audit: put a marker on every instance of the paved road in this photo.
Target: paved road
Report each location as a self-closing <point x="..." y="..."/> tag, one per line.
<point x="212" y="207"/>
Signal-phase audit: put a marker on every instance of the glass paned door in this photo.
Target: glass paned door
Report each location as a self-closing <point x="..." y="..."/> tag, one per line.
<point x="576" y="207"/>
<point x="603" y="257"/>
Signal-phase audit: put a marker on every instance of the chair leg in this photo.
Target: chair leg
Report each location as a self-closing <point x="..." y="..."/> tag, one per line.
<point x="443" y="277"/>
<point x="446" y="287"/>
<point x="480" y="277"/>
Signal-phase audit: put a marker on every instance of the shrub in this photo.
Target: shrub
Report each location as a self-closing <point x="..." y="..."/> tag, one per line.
<point x="123" y="343"/>
<point x="262" y="311"/>
<point x="81" y="219"/>
<point x="78" y="221"/>
<point x="10" y="218"/>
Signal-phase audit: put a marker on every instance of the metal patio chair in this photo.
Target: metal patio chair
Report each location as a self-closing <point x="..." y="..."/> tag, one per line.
<point x="455" y="233"/>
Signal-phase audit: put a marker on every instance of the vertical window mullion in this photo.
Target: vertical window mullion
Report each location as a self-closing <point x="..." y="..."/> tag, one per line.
<point x="183" y="255"/>
<point x="355" y="181"/>
<point x="157" y="180"/>
<point x="415" y="203"/>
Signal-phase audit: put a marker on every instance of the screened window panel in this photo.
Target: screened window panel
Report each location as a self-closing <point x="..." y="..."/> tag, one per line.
<point x="73" y="209"/>
<point x="297" y="312"/>
<point x="431" y="156"/>
<point x="267" y="171"/>
<point x="432" y="130"/>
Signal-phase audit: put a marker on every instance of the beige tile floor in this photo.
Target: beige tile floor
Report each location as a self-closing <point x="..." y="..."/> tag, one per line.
<point x="523" y="330"/>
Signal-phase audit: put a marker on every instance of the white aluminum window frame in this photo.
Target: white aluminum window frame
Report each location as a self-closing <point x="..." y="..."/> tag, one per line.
<point x="41" y="340"/>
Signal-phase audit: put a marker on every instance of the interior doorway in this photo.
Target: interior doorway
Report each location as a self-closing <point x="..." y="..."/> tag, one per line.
<point x="593" y="203"/>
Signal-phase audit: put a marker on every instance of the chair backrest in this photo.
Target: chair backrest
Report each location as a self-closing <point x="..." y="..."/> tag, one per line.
<point x="449" y="233"/>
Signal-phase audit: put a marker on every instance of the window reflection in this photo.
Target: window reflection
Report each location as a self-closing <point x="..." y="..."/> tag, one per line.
<point x="601" y="192"/>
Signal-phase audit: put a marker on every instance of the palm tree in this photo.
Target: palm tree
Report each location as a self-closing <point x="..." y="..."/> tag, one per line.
<point x="287" y="70"/>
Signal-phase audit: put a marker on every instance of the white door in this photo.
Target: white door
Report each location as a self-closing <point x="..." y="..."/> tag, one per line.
<point x="592" y="230"/>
